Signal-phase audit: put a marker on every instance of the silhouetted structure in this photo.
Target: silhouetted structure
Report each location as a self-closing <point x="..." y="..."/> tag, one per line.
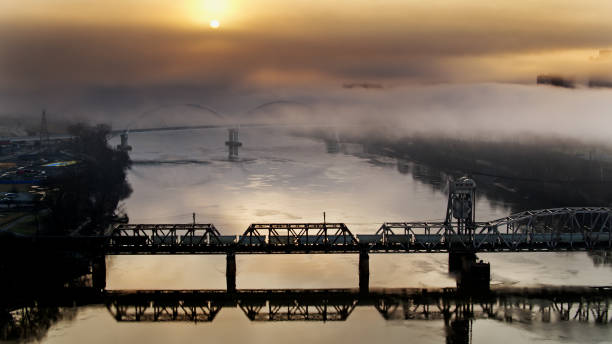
<point x="124" y="146"/>
<point x="457" y="310"/>
<point x="233" y="143"/>
<point x="598" y="83"/>
<point x="44" y="130"/>
<point x="555" y="81"/>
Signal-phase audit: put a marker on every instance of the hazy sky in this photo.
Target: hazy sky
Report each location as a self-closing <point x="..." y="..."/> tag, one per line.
<point x="109" y="56"/>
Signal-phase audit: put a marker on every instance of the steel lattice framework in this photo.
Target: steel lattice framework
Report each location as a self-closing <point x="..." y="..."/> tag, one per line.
<point x="166" y="238"/>
<point x="540" y="230"/>
<point x="154" y="311"/>
<point x="502" y="308"/>
<point x="454" y="308"/>
<point x="297" y="310"/>
<point x="306" y="235"/>
<point x="337" y="305"/>
<point x="556" y="229"/>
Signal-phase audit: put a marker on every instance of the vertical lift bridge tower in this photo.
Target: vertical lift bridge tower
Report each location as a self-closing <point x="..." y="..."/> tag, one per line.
<point x="461" y="209"/>
<point x="233" y="143"/>
<point x="461" y="206"/>
<point x="124" y="146"/>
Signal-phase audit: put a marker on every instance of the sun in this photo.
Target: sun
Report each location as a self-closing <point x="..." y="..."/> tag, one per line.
<point x="209" y="13"/>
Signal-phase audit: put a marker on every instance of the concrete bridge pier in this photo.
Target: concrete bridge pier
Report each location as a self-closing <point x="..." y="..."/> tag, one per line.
<point x="460" y="260"/>
<point x="230" y="272"/>
<point x="473" y="275"/>
<point x="458" y="331"/>
<point x="124" y="146"/>
<point x="364" y="270"/>
<point x="98" y="272"/>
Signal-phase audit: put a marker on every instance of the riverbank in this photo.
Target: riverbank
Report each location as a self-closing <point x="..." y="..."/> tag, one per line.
<point x="58" y="187"/>
<point x="529" y="172"/>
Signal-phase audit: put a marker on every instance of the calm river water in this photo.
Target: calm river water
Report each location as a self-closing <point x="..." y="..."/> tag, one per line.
<point x="284" y="178"/>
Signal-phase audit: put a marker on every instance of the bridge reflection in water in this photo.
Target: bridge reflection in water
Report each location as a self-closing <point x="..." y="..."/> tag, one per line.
<point x="525" y="305"/>
<point x="455" y="309"/>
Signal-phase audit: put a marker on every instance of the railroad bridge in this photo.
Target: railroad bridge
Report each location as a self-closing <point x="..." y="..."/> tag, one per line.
<point x="559" y="229"/>
<point x="460" y="235"/>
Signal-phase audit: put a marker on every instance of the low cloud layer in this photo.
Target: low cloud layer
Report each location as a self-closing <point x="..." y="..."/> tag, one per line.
<point x="71" y="55"/>
<point x="487" y="111"/>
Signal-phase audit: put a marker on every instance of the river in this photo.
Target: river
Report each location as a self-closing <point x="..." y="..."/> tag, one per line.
<point x="280" y="177"/>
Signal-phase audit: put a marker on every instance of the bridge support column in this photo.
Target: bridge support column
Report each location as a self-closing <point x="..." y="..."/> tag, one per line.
<point x="230" y="272"/>
<point x="458" y="331"/>
<point x="472" y="275"/>
<point x="98" y="272"/>
<point x="364" y="271"/>
<point x="460" y="260"/>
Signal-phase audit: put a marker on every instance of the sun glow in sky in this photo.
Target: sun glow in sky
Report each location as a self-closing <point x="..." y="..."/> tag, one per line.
<point x="211" y="11"/>
<point x="119" y="57"/>
<point x="97" y="42"/>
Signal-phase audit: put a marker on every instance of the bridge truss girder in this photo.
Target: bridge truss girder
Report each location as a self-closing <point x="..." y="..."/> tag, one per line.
<point x="161" y="312"/>
<point x="556" y="229"/>
<point x="299" y="234"/>
<point x="546" y="229"/>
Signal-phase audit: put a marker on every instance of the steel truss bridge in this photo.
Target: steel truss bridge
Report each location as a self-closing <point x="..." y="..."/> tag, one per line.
<point x="559" y="229"/>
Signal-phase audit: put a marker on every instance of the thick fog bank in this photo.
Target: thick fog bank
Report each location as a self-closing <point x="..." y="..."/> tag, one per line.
<point x="477" y="111"/>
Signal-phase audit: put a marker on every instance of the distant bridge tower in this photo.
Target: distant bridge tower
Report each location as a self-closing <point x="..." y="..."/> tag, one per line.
<point x="44" y="130"/>
<point x="233" y="143"/>
<point x="332" y="144"/>
<point x="124" y="146"/>
<point x="462" y="205"/>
